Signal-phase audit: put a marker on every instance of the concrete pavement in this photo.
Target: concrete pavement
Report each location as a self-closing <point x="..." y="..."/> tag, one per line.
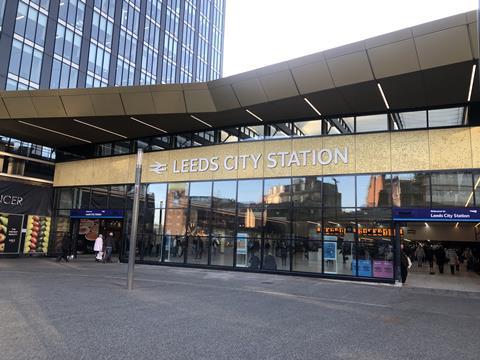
<point x="81" y="310"/>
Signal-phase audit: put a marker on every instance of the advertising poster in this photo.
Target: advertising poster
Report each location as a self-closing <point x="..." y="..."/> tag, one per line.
<point x="38" y="233"/>
<point x="330" y="250"/>
<point x="383" y="269"/>
<point x="242" y="249"/>
<point x="364" y="268"/>
<point x="10" y="233"/>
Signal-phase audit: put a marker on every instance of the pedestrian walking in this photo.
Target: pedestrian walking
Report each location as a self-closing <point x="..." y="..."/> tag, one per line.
<point x="440" y="257"/>
<point x="452" y="259"/>
<point x="420" y="254"/>
<point x="405" y="264"/>
<point x="108" y="248"/>
<point x="98" y="248"/>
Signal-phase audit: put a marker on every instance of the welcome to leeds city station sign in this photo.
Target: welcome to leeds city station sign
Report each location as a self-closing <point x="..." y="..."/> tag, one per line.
<point x="282" y="159"/>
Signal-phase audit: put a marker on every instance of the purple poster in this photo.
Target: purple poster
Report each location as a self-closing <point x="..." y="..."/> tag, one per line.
<point x="383" y="269"/>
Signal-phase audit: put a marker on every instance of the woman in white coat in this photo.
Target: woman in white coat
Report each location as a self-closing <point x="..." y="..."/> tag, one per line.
<point x="98" y="247"/>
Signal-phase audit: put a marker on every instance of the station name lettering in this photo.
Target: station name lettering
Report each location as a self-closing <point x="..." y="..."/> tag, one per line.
<point x="282" y="159"/>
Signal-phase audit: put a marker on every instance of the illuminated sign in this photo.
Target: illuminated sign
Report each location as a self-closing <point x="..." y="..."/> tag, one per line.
<point x="385" y="232"/>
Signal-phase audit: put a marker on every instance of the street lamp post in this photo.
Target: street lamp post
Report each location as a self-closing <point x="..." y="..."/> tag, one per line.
<point x="133" y="232"/>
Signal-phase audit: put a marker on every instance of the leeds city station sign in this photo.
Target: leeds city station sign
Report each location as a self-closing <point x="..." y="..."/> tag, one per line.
<point x="282" y="159"/>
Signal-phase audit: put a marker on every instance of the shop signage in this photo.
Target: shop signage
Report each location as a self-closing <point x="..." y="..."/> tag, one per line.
<point x="105" y="214"/>
<point x="454" y="214"/>
<point x="17" y="198"/>
<point x="280" y="159"/>
<point x="10" y="231"/>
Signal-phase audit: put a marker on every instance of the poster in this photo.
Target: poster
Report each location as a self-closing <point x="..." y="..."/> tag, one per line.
<point x="383" y="269"/>
<point x="364" y="268"/>
<point x="330" y="250"/>
<point x="10" y="233"/>
<point x="38" y="233"/>
<point x="242" y="249"/>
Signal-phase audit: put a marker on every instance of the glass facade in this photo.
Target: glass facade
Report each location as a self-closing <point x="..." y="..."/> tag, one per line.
<point x="394" y="121"/>
<point x="112" y="43"/>
<point x="330" y="225"/>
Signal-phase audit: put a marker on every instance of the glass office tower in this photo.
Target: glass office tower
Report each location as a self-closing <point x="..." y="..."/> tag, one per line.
<point x="96" y="43"/>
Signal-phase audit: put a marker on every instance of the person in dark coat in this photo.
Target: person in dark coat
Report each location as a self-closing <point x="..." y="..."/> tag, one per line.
<point x="108" y="248"/>
<point x="404" y="264"/>
<point x="66" y="244"/>
<point x="440" y="256"/>
<point x="429" y="258"/>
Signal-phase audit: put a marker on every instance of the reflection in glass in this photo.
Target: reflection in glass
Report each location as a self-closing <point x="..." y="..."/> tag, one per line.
<point x="276" y="223"/>
<point x="411" y="189"/>
<point x="276" y="255"/>
<point x="307" y="233"/>
<point x="176" y="221"/>
<point x="199" y="222"/>
<point x="117" y="197"/>
<point x="175" y="248"/>
<point x="223" y="222"/>
<point x="281" y="130"/>
<point x="177" y="195"/>
<point x="339" y="246"/>
<point x="446" y="117"/>
<point x="201" y="194"/>
<point x="451" y="189"/>
<point x="157" y="195"/>
<point x="249" y="192"/>
<point x="277" y="191"/>
<point x="307" y="128"/>
<point x="372" y="123"/>
<point x="373" y="190"/>
<point x="307" y="191"/>
<point x="409" y="120"/>
<point x="375" y="249"/>
<point x="254" y="132"/>
<point x="339" y="191"/>
<point x="476" y="186"/>
<point x="224" y="194"/>
<point x="99" y="197"/>
<point x="221" y="251"/>
<point x="197" y="250"/>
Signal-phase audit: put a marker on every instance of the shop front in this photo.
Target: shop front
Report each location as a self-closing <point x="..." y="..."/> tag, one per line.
<point x="318" y="206"/>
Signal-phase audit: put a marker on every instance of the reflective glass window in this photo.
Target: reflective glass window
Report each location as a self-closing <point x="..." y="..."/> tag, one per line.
<point x="277" y="191"/>
<point x="225" y="194"/>
<point x="281" y="130"/>
<point x="476" y="186"/>
<point x="446" y="117"/>
<point x="339" y="244"/>
<point x="307" y="191"/>
<point x="373" y="190"/>
<point x="177" y="195"/>
<point x="157" y="195"/>
<point x="372" y="123"/>
<point x="307" y="128"/>
<point x="254" y="132"/>
<point x="339" y="191"/>
<point x="201" y="194"/>
<point x="451" y="189"/>
<point x="411" y="190"/>
<point x="409" y="120"/>
<point x="250" y="193"/>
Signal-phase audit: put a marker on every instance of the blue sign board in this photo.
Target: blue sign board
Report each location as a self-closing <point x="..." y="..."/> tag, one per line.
<point x="96" y="214"/>
<point x="453" y="215"/>
<point x="364" y="268"/>
<point x="330" y="250"/>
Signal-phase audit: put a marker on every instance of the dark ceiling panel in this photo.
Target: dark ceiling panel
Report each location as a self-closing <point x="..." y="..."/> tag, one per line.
<point x="363" y="97"/>
<point x="229" y="118"/>
<point x="404" y="91"/>
<point x="172" y="123"/>
<point x="35" y="135"/>
<point x="447" y="84"/>
<point x="283" y="110"/>
<point x="329" y="102"/>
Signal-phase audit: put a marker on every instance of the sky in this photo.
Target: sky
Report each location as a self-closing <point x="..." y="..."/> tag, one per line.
<point x="264" y="32"/>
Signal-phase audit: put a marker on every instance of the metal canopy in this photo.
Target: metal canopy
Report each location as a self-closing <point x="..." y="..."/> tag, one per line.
<point x="426" y="65"/>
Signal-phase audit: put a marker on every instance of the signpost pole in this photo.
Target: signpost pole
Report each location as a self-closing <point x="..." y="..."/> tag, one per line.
<point x="133" y="232"/>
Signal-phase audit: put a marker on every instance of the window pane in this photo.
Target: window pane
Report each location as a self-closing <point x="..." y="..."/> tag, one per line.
<point x="477" y="189"/>
<point x="339" y="245"/>
<point x="339" y="191"/>
<point x="201" y="194"/>
<point x="375" y="249"/>
<point x="65" y="198"/>
<point x="250" y="193"/>
<point x="175" y="221"/>
<point x="177" y="195"/>
<point x="254" y="132"/>
<point x="307" y="191"/>
<point x="373" y="190"/>
<point x="197" y="250"/>
<point x="411" y="190"/>
<point x="372" y="123"/>
<point x="224" y="194"/>
<point x="99" y="197"/>
<point x="446" y="117"/>
<point x="451" y="189"/>
<point x="117" y="197"/>
<point x="277" y="223"/>
<point x="277" y="191"/>
<point x="307" y="128"/>
<point x="409" y="120"/>
<point x="283" y="130"/>
<point x="15" y="57"/>
<point x="221" y="251"/>
<point x="157" y="194"/>
<point x="276" y="255"/>
<point x="26" y="62"/>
